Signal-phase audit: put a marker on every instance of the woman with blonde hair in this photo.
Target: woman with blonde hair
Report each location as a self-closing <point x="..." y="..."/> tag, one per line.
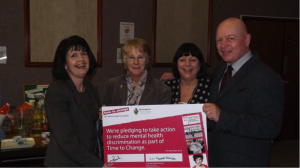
<point x="137" y="86"/>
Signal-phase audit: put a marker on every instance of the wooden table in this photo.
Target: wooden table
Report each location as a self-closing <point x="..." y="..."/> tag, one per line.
<point x="32" y="156"/>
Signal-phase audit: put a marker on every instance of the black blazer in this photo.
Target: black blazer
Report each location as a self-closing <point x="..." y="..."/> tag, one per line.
<point x="251" y="105"/>
<point x="72" y="125"/>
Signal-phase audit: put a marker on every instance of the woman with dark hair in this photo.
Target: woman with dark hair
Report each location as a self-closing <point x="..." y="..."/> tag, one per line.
<point x="137" y="86"/>
<point x="191" y="84"/>
<point x="198" y="160"/>
<point x="72" y="106"/>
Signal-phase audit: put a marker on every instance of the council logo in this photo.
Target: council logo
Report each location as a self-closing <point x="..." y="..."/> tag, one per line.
<point x="136" y="111"/>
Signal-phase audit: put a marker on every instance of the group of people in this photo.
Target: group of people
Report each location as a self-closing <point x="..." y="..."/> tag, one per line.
<point x="242" y="119"/>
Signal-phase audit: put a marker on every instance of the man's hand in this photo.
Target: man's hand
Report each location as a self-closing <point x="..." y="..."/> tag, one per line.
<point x="167" y="76"/>
<point x="212" y="111"/>
<point x="100" y="112"/>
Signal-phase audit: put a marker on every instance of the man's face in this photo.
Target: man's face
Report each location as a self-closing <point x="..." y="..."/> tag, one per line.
<point x="232" y="41"/>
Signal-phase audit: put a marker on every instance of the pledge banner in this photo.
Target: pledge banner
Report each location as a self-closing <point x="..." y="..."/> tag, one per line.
<point x="155" y="136"/>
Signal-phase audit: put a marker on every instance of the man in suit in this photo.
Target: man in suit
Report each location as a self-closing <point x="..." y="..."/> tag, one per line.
<point x="246" y="114"/>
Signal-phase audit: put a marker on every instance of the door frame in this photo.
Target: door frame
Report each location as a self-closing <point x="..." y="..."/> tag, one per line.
<point x="269" y="18"/>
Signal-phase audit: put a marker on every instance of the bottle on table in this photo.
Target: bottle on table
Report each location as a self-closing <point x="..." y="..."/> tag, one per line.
<point x="36" y="121"/>
<point x="21" y="121"/>
<point x="45" y="121"/>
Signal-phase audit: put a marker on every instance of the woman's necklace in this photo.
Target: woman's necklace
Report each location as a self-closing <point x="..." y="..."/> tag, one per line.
<point x="188" y="102"/>
<point x="192" y="94"/>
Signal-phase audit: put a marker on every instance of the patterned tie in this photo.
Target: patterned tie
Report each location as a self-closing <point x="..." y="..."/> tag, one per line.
<point x="227" y="76"/>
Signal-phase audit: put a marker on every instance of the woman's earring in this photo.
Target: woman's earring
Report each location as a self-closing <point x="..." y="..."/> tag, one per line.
<point x="66" y="68"/>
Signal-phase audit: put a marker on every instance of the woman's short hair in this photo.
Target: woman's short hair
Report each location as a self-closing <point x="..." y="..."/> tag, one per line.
<point x="185" y="50"/>
<point x="197" y="156"/>
<point x="75" y="43"/>
<point x="140" y="45"/>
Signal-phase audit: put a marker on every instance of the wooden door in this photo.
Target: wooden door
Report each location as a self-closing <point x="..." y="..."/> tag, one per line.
<point x="277" y="43"/>
<point x="267" y="39"/>
<point x="290" y="75"/>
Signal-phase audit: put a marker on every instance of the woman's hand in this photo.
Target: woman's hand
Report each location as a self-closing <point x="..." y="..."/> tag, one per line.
<point x="105" y="165"/>
<point x="100" y="112"/>
<point x="167" y="76"/>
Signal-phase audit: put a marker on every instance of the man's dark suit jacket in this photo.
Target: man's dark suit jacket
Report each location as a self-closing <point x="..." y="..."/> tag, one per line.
<point x="155" y="92"/>
<point x="72" y="125"/>
<point x="252" y="105"/>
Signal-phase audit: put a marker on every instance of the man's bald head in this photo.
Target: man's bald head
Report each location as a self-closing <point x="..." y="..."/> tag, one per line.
<point x="235" y="22"/>
<point x="232" y="39"/>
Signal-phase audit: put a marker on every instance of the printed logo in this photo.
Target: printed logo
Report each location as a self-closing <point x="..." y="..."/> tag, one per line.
<point x="136" y="111"/>
<point x="116" y="111"/>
